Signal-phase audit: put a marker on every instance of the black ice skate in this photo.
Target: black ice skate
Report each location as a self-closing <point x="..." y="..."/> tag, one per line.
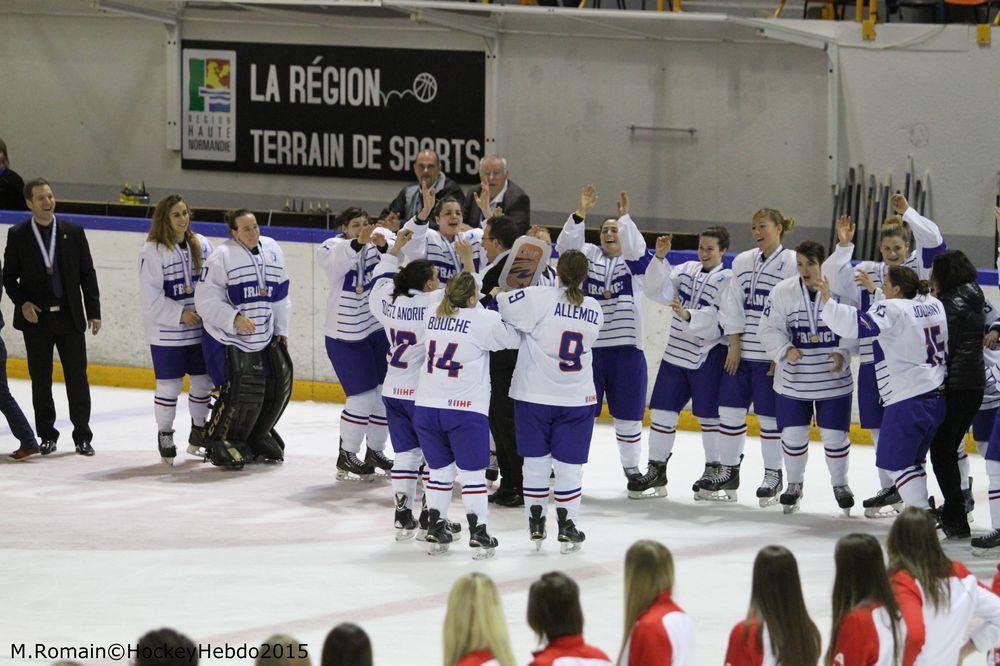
<point x="196" y="442"/>
<point x="885" y="503"/>
<point x="845" y="498"/>
<point x="632" y="476"/>
<point x="438" y="535"/>
<point x="165" y="443"/>
<point x="570" y="538"/>
<point x="770" y="488"/>
<point x="790" y="499"/>
<point x="350" y="468"/>
<point x="710" y="469"/>
<point x="480" y="539"/>
<point x="536" y="526"/>
<point x="379" y="461"/>
<point x="492" y="470"/>
<point x="651" y="484"/>
<point x="970" y="503"/>
<point x="987" y="545"/>
<point x="423" y="521"/>
<point x="723" y="485"/>
<point x="406" y="526"/>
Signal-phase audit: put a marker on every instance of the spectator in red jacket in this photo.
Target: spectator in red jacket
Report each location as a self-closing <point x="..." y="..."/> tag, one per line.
<point x="555" y="615"/>
<point x="475" y="631"/>
<point x="866" y="622"/>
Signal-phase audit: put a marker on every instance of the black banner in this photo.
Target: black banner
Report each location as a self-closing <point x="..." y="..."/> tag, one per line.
<point x="331" y="110"/>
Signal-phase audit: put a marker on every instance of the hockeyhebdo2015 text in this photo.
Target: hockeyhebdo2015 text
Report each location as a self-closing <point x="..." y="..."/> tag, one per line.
<point x="128" y="652"/>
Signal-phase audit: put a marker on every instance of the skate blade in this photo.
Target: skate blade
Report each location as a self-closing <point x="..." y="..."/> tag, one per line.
<point x="717" y="495"/>
<point x="343" y="475"/>
<point x="790" y="508"/>
<point x="567" y="547"/>
<point x="437" y="548"/>
<point x="765" y="502"/>
<point x="884" y="511"/>
<point x="405" y="535"/>
<point x="198" y="451"/>
<point x="651" y="493"/>
<point x="421" y="535"/>
<point x="538" y="542"/>
<point x="847" y="511"/>
<point x="481" y="553"/>
<point x="382" y="474"/>
<point x="169" y="462"/>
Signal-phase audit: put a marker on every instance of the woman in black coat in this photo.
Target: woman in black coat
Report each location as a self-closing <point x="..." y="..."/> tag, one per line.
<point x="953" y="280"/>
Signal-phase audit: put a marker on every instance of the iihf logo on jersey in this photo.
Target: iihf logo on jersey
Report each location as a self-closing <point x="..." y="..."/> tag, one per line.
<point x="459" y="403"/>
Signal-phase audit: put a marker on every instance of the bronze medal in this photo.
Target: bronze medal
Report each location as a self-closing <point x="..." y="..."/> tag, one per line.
<point x="814" y="338"/>
<point x="359" y="289"/>
<point x="607" y="293"/>
<point x="265" y="292"/>
<point x="188" y="289"/>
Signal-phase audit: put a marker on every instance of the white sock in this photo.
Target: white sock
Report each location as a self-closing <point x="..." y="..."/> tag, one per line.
<point x="662" y="432"/>
<point x="837" y="447"/>
<point x="732" y="434"/>
<point x="885" y="478"/>
<point x="378" y="427"/>
<point x="568" y="488"/>
<point x="795" y="447"/>
<point x="912" y="486"/>
<point x="993" y="469"/>
<point x="165" y="402"/>
<point x="199" y="395"/>
<point x="536" y="483"/>
<point x="710" y="439"/>
<point x="629" y="434"/>
<point x="474" y="497"/>
<point x="354" y="420"/>
<point x="437" y="490"/>
<point x="963" y="465"/>
<point x="770" y="442"/>
<point x="405" y="474"/>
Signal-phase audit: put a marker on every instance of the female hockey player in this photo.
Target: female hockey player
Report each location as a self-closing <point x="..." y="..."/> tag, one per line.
<point x="170" y="264"/>
<point x="438" y="245"/>
<point x="556" y="617"/>
<point x="475" y="631"/>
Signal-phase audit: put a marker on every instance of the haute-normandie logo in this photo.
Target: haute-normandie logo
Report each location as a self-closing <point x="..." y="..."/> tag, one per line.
<point x="209" y="84"/>
<point x="209" y="129"/>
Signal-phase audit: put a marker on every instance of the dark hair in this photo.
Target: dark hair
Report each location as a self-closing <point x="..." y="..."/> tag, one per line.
<point x="4" y="155"/>
<point x="347" y="645"/>
<point x="441" y="202"/>
<point x="504" y="231"/>
<point x="160" y="230"/>
<point x="29" y="187"/>
<point x="914" y="547"/>
<point x="348" y="214"/>
<point x="554" y="607"/>
<point x="572" y="270"/>
<point x="907" y="279"/>
<point x="165" y="647"/>
<point x="951" y="269"/>
<point x="812" y="250"/>
<point x="861" y="579"/>
<point x="721" y="234"/>
<point x="232" y="215"/>
<point x="413" y="275"/>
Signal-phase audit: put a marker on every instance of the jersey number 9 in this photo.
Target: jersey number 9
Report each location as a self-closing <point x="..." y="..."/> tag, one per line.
<point x="570" y="351"/>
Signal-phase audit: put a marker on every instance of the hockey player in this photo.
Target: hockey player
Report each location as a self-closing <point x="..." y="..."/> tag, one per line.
<point x="911" y="240"/>
<point x="553" y="392"/>
<point x="691" y="368"/>
<point x="244" y="304"/>
<point x="748" y="376"/>
<point x="453" y="397"/>
<point x="617" y="269"/>
<point x="812" y="376"/>
<point x="170" y="264"/>
<point x="398" y="299"/>
<point x="438" y="245"/>
<point x="911" y="333"/>
<point x="355" y="342"/>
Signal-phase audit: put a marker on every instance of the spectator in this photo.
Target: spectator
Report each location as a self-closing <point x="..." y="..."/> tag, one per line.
<point x="283" y="650"/>
<point x="165" y="647"/>
<point x="427" y="168"/>
<point x="475" y="631"/>
<point x="555" y="615"/>
<point x="347" y="645"/>
<point x="11" y="184"/>
<point x="497" y="195"/>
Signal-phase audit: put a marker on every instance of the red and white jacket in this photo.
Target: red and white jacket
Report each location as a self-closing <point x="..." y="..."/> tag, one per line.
<point x="865" y="638"/>
<point x="569" y="651"/>
<point x="662" y="636"/>
<point x="480" y="658"/>
<point x="993" y="656"/>
<point x="752" y="650"/>
<point x="936" y="636"/>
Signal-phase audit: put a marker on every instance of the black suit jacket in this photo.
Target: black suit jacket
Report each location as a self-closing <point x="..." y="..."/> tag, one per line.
<point x="515" y="204"/>
<point x="409" y="198"/>
<point x="11" y="191"/>
<point x="25" y="279"/>
<point x="505" y="359"/>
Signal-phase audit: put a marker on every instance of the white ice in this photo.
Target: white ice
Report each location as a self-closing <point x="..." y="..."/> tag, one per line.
<point x="100" y="550"/>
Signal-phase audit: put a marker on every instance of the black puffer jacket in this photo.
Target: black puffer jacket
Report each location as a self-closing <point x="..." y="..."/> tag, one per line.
<point x="963" y="306"/>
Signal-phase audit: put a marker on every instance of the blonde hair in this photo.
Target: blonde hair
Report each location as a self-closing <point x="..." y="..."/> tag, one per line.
<point x="457" y="293"/>
<point x="786" y="224"/>
<point x="283" y="650"/>
<point x="161" y="233"/>
<point x="572" y="270"/>
<point x="474" y="621"/>
<point x="649" y="572"/>
<point x="896" y="226"/>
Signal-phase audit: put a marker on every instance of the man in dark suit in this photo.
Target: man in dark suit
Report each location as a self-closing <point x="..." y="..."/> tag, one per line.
<point x="11" y="185"/>
<point x="427" y="169"/>
<point x="47" y="264"/>
<point x="497" y="192"/>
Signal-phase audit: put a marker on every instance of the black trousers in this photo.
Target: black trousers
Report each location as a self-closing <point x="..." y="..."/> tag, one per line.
<point x="56" y="330"/>
<point x="960" y="408"/>
<point x="502" y="429"/>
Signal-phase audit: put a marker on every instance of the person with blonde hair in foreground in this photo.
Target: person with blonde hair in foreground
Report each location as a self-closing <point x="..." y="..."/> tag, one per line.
<point x="283" y="650"/>
<point x="475" y="631"/>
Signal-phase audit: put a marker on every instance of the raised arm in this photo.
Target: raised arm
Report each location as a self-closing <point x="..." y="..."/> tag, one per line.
<point x="927" y="239"/>
<point x="837" y="267"/>
<point x="660" y="275"/>
<point x="572" y="235"/>
<point x="631" y="239"/>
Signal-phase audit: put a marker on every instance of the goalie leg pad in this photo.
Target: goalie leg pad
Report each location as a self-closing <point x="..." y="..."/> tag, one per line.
<point x="263" y="440"/>
<point x="235" y="412"/>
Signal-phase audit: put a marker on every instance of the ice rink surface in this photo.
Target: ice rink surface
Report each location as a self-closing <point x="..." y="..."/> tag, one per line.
<point x="100" y="550"/>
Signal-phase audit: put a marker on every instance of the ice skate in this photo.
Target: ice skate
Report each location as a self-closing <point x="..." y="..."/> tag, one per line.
<point x="845" y="498"/>
<point x="492" y="470"/>
<point x="651" y="484"/>
<point x="165" y="443"/>
<point x="536" y="526"/>
<point x="406" y="526"/>
<point x="350" y="468"/>
<point x="987" y="545"/>
<point x="710" y="469"/>
<point x="770" y="488"/>
<point x="885" y="503"/>
<point x="632" y="476"/>
<point x="196" y="442"/>
<point x="423" y="521"/>
<point x="480" y="539"/>
<point x="791" y="498"/>
<point x="970" y="502"/>
<point x="570" y="538"/>
<point x="438" y="534"/>
<point x="723" y="484"/>
<point x="381" y="463"/>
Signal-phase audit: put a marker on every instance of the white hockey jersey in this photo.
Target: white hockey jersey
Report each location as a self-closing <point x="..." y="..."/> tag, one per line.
<point x="429" y="244"/>
<point x="912" y="342"/>
<point x="791" y="319"/>
<point x="164" y="275"/>
<point x="456" y="370"/>
<point x="699" y="291"/>
<point x="614" y="282"/>
<point x="232" y="285"/>
<point x="348" y="316"/>
<point x="554" y="364"/>
<point x="742" y="302"/>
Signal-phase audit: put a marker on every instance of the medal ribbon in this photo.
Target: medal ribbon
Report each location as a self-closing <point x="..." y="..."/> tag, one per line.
<point x="759" y="267"/>
<point x="48" y="256"/>
<point x="699" y="286"/>
<point x="185" y="258"/>
<point x="261" y="270"/>
<point x="610" y="274"/>
<point x="812" y="311"/>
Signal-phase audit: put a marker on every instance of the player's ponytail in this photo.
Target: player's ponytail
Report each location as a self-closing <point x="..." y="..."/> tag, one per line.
<point x="908" y="282"/>
<point x="649" y="572"/>
<point x="896" y="227"/>
<point x="572" y="271"/>
<point x="457" y="294"/>
<point x="785" y="224"/>
<point x="414" y="276"/>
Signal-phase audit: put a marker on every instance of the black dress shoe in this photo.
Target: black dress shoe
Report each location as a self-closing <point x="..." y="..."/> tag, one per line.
<point x="48" y="446"/>
<point x="507" y="497"/>
<point x="84" y="449"/>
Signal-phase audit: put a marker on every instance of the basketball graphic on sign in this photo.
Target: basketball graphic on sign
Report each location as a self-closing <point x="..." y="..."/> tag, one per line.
<point x="425" y="87"/>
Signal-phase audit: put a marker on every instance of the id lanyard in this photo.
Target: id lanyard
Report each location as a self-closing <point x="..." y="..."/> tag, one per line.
<point x="812" y="312"/>
<point x="259" y="271"/>
<point x="758" y="271"/>
<point x="48" y="256"/>
<point x="185" y="258"/>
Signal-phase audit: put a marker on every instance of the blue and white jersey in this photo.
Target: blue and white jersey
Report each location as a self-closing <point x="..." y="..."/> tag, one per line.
<point x="699" y="291"/>
<point x="429" y="244"/>
<point x="164" y="277"/>
<point x="743" y="300"/>
<point x="991" y="398"/>
<point x="232" y="284"/>
<point x="791" y="319"/>
<point x="349" y="272"/>
<point x="911" y="351"/>
<point x="614" y="282"/>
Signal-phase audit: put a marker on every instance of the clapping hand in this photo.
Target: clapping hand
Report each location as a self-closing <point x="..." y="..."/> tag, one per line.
<point x="588" y="199"/>
<point x="623" y="204"/>
<point x="663" y="245"/>
<point x="429" y="197"/>
<point x="845" y="230"/>
<point x="402" y="238"/>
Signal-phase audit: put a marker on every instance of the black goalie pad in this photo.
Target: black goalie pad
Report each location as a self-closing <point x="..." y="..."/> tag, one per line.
<point x="263" y="441"/>
<point x="237" y="409"/>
